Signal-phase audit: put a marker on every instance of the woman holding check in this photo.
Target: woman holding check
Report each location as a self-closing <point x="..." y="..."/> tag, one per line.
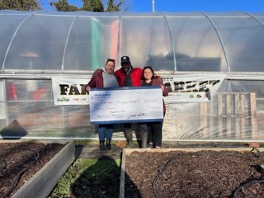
<point x="102" y="78"/>
<point x="154" y="128"/>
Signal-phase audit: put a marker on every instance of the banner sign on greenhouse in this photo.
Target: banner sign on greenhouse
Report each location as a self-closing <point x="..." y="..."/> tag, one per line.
<point x="182" y="88"/>
<point x="70" y="91"/>
<point x="126" y="105"/>
<point x="192" y="88"/>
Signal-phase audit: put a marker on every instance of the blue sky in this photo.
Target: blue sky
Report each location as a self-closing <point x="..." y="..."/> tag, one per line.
<point x="184" y="5"/>
<point x="197" y="5"/>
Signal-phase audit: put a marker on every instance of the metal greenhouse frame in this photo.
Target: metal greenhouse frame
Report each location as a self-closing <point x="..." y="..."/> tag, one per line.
<point x="37" y="47"/>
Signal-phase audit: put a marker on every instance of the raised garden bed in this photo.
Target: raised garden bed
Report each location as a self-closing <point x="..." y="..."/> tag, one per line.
<point x="32" y="168"/>
<point x="189" y="172"/>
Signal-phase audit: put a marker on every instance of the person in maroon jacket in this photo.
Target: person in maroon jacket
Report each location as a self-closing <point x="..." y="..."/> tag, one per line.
<point x="154" y="128"/>
<point x="128" y="76"/>
<point x="102" y="78"/>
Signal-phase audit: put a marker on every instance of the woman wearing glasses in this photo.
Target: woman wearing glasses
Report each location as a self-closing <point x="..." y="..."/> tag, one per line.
<point x="102" y="78"/>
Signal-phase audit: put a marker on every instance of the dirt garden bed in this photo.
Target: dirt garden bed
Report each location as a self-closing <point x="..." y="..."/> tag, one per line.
<point x="188" y="173"/>
<point x="20" y="161"/>
<point x="168" y="172"/>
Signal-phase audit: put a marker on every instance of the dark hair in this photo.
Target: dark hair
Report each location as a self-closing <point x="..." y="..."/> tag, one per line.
<point x="110" y="59"/>
<point x="148" y="67"/>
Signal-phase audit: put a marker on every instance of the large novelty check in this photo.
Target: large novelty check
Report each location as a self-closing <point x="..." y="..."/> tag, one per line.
<point x="126" y="105"/>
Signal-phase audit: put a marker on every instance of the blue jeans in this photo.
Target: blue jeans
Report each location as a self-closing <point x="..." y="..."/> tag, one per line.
<point x="105" y="132"/>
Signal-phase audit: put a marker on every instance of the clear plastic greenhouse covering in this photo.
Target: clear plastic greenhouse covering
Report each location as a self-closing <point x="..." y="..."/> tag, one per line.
<point x="39" y="46"/>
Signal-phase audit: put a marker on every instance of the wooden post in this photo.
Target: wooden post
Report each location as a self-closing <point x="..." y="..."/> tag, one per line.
<point x="237" y="116"/>
<point x="243" y="121"/>
<point x="212" y="118"/>
<point x="253" y="108"/>
<point x="220" y="115"/>
<point x="228" y="116"/>
<point x="204" y="114"/>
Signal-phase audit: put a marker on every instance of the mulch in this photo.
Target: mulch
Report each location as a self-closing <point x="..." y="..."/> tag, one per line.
<point x="21" y="161"/>
<point x="149" y="174"/>
<point x="194" y="174"/>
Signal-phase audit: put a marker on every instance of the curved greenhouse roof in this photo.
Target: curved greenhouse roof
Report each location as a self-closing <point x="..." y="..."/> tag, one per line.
<point x="195" y="41"/>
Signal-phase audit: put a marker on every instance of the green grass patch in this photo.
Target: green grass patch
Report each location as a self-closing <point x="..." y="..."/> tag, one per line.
<point x="90" y="178"/>
<point x="86" y="142"/>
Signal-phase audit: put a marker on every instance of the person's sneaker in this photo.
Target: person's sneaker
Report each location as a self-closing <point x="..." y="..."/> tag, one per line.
<point x="150" y="145"/>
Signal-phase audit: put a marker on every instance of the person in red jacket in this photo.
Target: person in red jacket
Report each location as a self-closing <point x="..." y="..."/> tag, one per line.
<point x="154" y="128"/>
<point x="11" y="91"/>
<point x="128" y="76"/>
<point x="102" y="78"/>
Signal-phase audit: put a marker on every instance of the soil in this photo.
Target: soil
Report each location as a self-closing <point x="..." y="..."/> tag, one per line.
<point x="194" y="174"/>
<point x="20" y="161"/>
<point x="151" y="174"/>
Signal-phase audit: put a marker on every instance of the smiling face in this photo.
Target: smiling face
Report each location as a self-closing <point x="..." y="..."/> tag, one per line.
<point x="110" y="67"/>
<point x="125" y="67"/>
<point x="148" y="74"/>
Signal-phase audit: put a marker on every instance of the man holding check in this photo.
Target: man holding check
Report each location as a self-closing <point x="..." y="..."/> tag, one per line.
<point x="128" y="76"/>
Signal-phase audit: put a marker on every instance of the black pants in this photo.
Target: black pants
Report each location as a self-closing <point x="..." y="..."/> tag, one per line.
<point x="155" y="133"/>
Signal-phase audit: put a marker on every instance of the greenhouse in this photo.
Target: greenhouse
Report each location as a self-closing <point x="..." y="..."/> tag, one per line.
<point x="212" y="64"/>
